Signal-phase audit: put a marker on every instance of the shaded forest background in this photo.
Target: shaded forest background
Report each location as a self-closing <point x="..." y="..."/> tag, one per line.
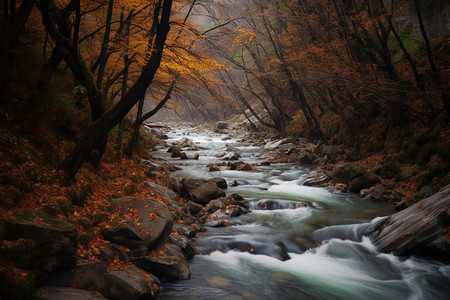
<point x="79" y="78"/>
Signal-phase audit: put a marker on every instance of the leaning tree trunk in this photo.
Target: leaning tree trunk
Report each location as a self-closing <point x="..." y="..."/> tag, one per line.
<point x="97" y="130"/>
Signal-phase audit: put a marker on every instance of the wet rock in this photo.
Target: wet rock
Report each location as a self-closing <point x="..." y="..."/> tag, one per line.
<point x="306" y="158"/>
<point x="156" y="219"/>
<point x="272" y="145"/>
<point x="130" y="284"/>
<point x="317" y="180"/>
<point x="64" y="293"/>
<point x="194" y="207"/>
<point x="52" y="243"/>
<point x="171" y="266"/>
<point x="365" y="192"/>
<point x="213" y="206"/>
<point x="125" y="284"/>
<point x="231" y="156"/>
<point x="183" y="156"/>
<point x="233" y="166"/>
<point x="219" y="181"/>
<point x="182" y="242"/>
<point x="214" y="168"/>
<point x="377" y="193"/>
<point x="166" y="194"/>
<point x="207" y="192"/>
<point x="366" y="180"/>
<point x="245" y="167"/>
<point x="189" y="185"/>
<point x="265" y="163"/>
<point x="123" y="232"/>
<point x="176" y="152"/>
<point x="331" y="152"/>
<point x="195" y="157"/>
<point x="221" y="125"/>
<point x="185" y="142"/>
<point x="346" y="172"/>
<point x="420" y="229"/>
<point x="189" y="231"/>
<point x="237" y="197"/>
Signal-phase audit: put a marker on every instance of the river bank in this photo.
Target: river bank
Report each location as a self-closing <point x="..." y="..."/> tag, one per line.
<point x="264" y="207"/>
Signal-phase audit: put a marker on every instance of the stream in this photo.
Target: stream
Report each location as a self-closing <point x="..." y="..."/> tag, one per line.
<point x="298" y="242"/>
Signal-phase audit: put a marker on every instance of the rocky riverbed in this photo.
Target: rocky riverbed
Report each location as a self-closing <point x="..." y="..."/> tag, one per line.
<point x="248" y="200"/>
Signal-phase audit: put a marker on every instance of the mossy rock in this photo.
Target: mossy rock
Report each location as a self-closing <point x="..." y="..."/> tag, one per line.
<point x="49" y="243"/>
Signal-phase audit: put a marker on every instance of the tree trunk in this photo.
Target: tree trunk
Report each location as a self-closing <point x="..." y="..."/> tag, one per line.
<point x="103" y="125"/>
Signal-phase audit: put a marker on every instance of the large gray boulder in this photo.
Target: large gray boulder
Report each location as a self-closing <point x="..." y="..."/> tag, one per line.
<point x="52" y="243"/>
<point x="129" y="283"/>
<point x="421" y="229"/>
<point x="171" y="265"/>
<point x="207" y="192"/>
<point x="123" y="232"/>
<point x="156" y="219"/>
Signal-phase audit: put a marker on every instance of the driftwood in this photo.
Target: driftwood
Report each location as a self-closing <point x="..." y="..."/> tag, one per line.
<point x="421" y="229"/>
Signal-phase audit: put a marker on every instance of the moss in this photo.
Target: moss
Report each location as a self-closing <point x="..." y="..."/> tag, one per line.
<point x="16" y="285"/>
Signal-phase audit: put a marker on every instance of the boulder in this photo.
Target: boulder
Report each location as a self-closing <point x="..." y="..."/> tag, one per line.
<point x="185" y="142"/>
<point x="183" y="156"/>
<point x="64" y="293"/>
<point x="166" y="194"/>
<point x="176" y="152"/>
<point x="123" y="232"/>
<point x="377" y="193"/>
<point x="231" y="156"/>
<point x="421" y="229"/>
<point x="219" y="181"/>
<point x="195" y="157"/>
<point x="51" y="243"/>
<point x="346" y="172"/>
<point x="220" y="127"/>
<point x="306" y="158"/>
<point x="213" y="206"/>
<point x="207" y="192"/>
<point x="182" y="242"/>
<point x="194" y="207"/>
<point x="245" y="167"/>
<point x="172" y="264"/>
<point x="366" y="180"/>
<point x="125" y="284"/>
<point x="189" y="185"/>
<point x="317" y="179"/>
<point x="214" y="168"/>
<point x="156" y="219"/>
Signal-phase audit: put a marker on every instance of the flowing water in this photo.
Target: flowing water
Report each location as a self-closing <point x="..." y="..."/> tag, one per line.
<point x="298" y="242"/>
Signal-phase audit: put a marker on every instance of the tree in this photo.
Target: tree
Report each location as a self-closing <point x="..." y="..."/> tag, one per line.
<point x="97" y="130"/>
